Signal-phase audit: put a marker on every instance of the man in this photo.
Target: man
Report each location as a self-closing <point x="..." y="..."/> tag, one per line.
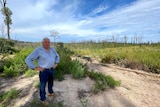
<point x="47" y="59"/>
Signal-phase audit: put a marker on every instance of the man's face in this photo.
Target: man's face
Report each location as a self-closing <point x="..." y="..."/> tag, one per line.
<point x="46" y="43"/>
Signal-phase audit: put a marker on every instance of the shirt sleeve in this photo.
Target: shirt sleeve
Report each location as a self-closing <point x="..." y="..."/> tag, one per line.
<point x="30" y="58"/>
<point x="57" y="58"/>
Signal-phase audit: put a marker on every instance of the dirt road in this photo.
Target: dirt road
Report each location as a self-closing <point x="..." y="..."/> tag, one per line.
<point x="138" y="89"/>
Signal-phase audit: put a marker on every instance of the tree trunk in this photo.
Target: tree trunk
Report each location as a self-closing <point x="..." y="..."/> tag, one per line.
<point x="8" y="28"/>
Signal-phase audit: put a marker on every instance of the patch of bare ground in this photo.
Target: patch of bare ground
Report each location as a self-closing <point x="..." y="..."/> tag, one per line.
<point x="138" y="89"/>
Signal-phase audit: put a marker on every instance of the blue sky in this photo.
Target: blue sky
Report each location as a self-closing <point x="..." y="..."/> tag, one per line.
<point x="78" y="20"/>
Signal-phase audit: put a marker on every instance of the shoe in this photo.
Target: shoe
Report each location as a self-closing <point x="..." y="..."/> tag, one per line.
<point x="52" y="94"/>
<point x="45" y="103"/>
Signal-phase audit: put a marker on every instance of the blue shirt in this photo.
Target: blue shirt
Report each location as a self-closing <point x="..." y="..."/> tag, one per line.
<point x="45" y="59"/>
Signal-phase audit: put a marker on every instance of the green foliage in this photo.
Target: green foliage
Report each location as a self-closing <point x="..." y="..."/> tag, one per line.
<point x="4" y="62"/>
<point x="37" y="84"/>
<point x="7" y="46"/>
<point x="136" y="56"/>
<point x="7" y="13"/>
<point x="108" y="59"/>
<point x="30" y="73"/>
<point x="102" y="81"/>
<point x="65" y="62"/>
<point x="77" y="69"/>
<point x="18" y="65"/>
<point x="68" y="66"/>
<point x="35" y="103"/>
<point x="84" y="102"/>
<point x="10" y="71"/>
<point x="12" y="93"/>
<point x="59" y="104"/>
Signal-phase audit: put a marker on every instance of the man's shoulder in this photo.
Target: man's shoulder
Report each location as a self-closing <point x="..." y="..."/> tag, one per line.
<point x="38" y="48"/>
<point x="52" y="48"/>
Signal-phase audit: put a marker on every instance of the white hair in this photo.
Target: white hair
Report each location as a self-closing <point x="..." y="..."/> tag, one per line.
<point x="45" y="38"/>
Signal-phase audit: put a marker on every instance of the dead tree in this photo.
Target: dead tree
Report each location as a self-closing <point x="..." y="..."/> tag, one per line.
<point x="6" y="12"/>
<point x="54" y="34"/>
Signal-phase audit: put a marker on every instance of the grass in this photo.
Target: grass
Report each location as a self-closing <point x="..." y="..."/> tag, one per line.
<point x="102" y="82"/>
<point x="66" y="66"/>
<point x="30" y="73"/>
<point x="78" y="70"/>
<point x="12" y="93"/>
<point x="7" y="96"/>
<point x="37" y="84"/>
<point x="147" y="56"/>
<point x="35" y="103"/>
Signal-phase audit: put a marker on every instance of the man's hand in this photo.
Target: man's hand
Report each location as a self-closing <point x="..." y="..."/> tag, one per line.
<point x="39" y="69"/>
<point x="55" y="65"/>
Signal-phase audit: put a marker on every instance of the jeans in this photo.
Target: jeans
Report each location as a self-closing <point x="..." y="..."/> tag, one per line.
<point x="45" y="76"/>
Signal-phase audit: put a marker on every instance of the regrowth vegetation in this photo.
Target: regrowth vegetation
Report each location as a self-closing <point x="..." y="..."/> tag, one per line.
<point x="80" y="71"/>
<point x="7" y="96"/>
<point x="136" y="56"/>
<point x="16" y="66"/>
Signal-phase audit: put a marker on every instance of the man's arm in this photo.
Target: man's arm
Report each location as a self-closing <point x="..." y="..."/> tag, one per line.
<point x="57" y="59"/>
<point x="30" y="58"/>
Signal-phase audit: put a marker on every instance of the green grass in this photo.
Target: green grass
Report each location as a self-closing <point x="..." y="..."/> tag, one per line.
<point x="66" y="66"/>
<point x="147" y="56"/>
<point x="12" y="93"/>
<point x="77" y="70"/>
<point x="7" y="96"/>
<point x="37" y="84"/>
<point x="102" y="82"/>
<point x="35" y="103"/>
<point x="30" y="73"/>
<point x="17" y="64"/>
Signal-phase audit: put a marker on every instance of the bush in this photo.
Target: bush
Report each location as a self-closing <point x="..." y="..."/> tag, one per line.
<point x="102" y="81"/>
<point x="17" y="65"/>
<point x="68" y="66"/>
<point x="77" y="69"/>
<point x="3" y="63"/>
<point x="30" y="73"/>
<point x="7" y="46"/>
<point x="65" y="63"/>
<point x="10" y="71"/>
<point x="12" y="93"/>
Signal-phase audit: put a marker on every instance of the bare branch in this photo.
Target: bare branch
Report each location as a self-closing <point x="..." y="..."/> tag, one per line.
<point x="7" y="13"/>
<point x="1" y="3"/>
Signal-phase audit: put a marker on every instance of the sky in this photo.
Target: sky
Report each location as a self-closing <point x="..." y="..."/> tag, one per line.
<point x="85" y="20"/>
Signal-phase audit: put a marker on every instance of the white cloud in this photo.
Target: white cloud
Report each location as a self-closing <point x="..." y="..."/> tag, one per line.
<point x="101" y="8"/>
<point x="133" y="18"/>
<point x="41" y="16"/>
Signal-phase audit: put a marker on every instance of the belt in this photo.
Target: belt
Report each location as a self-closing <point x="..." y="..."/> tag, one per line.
<point x="48" y="68"/>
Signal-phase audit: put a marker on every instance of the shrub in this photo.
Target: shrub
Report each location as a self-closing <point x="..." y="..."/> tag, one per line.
<point x="3" y="63"/>
<point x="65" y="63"/>
<point x="77" y="69"/>
<point x="17" y="65"/>
<point x="102" y="81"/>
<point x="10" y="71"/>
<point x="30" y="73"/>
<point x="12" y="93"/>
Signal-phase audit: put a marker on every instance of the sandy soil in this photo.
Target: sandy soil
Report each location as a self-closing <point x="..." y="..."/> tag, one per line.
<point x="138" y="89"/>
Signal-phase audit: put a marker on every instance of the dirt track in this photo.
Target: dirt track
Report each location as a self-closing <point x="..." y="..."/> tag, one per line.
<point x="138" y="89"/>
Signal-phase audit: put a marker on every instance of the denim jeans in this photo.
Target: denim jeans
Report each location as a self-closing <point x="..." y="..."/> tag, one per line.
<point x="46" y="76"/>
